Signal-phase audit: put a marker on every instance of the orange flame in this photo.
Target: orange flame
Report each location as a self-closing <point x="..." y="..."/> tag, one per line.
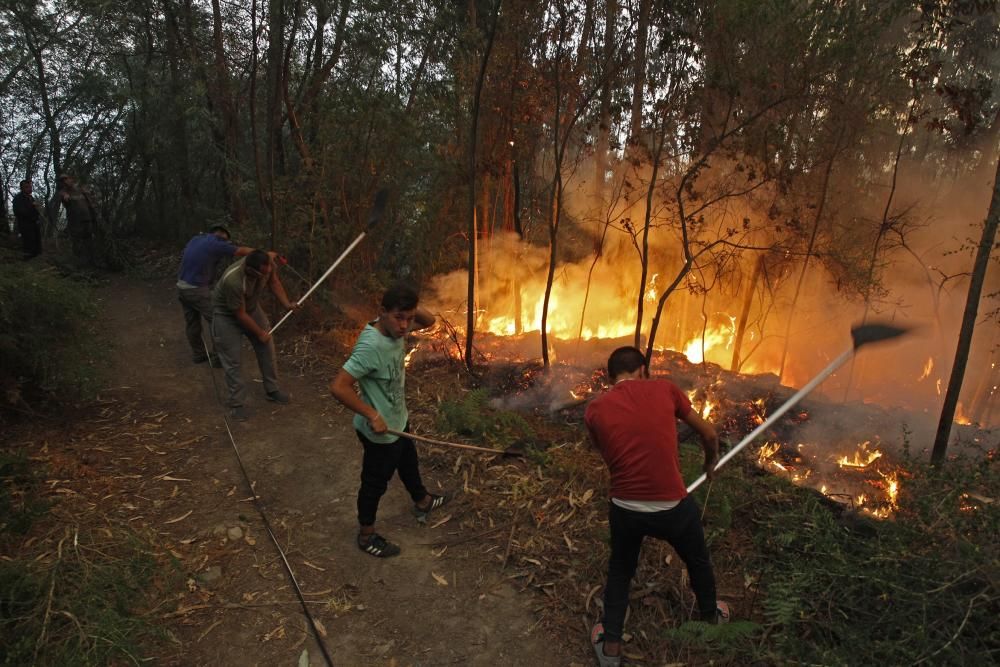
<point x="861" y="458"/>
<point x="409" y="355"/>
<point x="960" y="417"/>
<point x="928" y="367"/>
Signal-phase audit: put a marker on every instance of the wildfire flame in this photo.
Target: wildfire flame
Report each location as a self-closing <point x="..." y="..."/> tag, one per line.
<point x="409" y="355"/>
<point x="928" y="367"/>
<point x="892" y="489"/>
<point x="960" y="417"/>
<point x="704" y="405"/>
<point x="862" y="458"/>
<point x="767" y="450"/>
<point x="846" y="487"/>
<point x="716" y="342"/>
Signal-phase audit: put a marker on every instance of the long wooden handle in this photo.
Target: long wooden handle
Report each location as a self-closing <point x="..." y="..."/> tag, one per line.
<point x="456" y="445"/>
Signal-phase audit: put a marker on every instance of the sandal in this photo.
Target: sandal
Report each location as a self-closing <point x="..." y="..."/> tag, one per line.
<point x="378" y="546"/>
<point x="436" y="502"/>
<point x="597" y="641"/>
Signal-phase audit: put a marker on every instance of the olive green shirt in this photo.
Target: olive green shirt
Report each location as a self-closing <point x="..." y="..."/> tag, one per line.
<point x="236" y="288"/>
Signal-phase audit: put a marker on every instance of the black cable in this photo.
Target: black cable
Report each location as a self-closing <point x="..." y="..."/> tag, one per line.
<point x="260" y="510"/>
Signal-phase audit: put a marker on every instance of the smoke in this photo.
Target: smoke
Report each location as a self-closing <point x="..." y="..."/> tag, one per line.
<point x="922" y="267"/>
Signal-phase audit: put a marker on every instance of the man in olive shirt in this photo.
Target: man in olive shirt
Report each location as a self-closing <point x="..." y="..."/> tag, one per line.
<point x="235" y="314"/>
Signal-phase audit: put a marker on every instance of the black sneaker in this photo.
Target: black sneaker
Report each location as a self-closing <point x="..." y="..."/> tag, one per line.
<point x="279" y="396"/>
<point x="377" y="546"/>
<point x="239" y="413"/>
<point x="436" y="502"/>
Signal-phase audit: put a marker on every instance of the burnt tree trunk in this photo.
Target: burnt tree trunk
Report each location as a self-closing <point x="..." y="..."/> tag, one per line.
<point x="741" y="325"/>
<point x="470" y="322"/>
<point x="968" y="325"/>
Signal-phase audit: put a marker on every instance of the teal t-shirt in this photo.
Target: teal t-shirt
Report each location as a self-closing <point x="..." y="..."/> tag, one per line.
<point x="377" y="364"/>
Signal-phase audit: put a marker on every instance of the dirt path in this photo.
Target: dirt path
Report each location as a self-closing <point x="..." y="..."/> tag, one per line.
<point x="234" y="604"/>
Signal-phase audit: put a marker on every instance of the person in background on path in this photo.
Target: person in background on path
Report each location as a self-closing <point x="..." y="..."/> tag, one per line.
<point x="634" y="426"/>
<point x="81" y="217"/>
<point x="26" y="214"/>
<point x="377" y="366"/>
<point x="194" y="279"/>
<point x="236" y="313"/>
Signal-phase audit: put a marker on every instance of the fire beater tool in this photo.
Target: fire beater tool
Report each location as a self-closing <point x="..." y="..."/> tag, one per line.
<point x="378" y="209"/>
<point x="861" y="335"/>
<point x="510" y="451"/>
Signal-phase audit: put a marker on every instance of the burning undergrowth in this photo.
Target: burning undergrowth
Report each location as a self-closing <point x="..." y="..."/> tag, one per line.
<point x="850" y="453"/>
<point x="778" y="549"/>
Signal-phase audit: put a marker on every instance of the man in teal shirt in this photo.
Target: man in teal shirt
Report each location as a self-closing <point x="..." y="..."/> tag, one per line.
<point x="377" y="366"/>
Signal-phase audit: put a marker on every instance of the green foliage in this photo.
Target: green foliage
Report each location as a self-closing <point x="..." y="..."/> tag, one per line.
<point x="473" y="417"/>
<point x="67" y="598"/>
<point x="77" y="610"/>
<point x="917" y="588"/>
<point x="737" y="636"/>
<point x="46" y="334"/>
<point x="18" y="504"/>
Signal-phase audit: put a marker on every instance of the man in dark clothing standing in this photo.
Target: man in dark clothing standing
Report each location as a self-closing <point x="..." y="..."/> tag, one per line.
<point x="26" y="214"/>
<point x="634" y="425"/>
<point x="81" y="217"/>
<point x="194" y="280"/>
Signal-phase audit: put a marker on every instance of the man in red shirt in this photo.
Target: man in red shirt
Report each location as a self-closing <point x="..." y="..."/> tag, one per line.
<point x="634" y="425"/>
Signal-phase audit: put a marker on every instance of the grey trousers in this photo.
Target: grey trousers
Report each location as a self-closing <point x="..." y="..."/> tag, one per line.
<point x="228" y="337"/>
<point x="197" y="303"/>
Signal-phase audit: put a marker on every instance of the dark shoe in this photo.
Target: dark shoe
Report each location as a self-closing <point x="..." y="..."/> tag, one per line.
<point x="212" y="359"/>
<point x="436" y="502"/>
<point x="239" y="414"/>
<point x="279" y="397"/>
<point x="377" y="546"/>
<point x="597" y="641"/>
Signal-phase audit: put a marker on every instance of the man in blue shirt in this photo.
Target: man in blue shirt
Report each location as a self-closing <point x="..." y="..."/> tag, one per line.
<point x="194" y="281"/>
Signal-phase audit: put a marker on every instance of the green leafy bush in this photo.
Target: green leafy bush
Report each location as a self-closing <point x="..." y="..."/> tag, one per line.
<point x="919" y="589"/>
<point x="473" y="417"/>
<point x="46" y="336"/>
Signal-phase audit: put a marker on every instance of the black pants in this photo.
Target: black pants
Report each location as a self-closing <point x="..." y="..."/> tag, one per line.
<point x="681" y="528"/>
<point x="31" y="237"/>
<point x="377" y="467"/>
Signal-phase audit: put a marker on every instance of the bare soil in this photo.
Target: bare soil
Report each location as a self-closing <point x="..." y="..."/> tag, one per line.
<point x="153" y="455"/>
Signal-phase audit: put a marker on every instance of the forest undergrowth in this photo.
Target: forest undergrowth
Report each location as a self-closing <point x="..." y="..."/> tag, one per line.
<point x="810" y="582"/>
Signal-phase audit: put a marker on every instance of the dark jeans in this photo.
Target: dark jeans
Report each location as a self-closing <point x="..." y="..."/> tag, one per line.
<point x="81" y="236"/>
<point x="197" y="304"/>
<point x="31" y="237"/>
<point x="681" y="528"/>
<point x="379" y="463"/>
<point x="228" y="335"/>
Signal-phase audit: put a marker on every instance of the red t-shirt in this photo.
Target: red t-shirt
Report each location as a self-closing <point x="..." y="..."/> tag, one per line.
<point x="635" y="427"/>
